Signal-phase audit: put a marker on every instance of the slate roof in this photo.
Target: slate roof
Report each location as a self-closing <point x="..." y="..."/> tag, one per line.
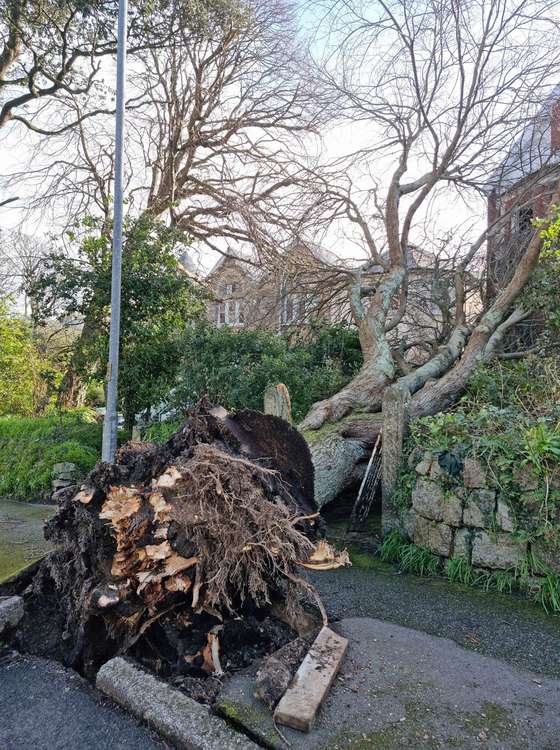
<point x="530" y="152"/>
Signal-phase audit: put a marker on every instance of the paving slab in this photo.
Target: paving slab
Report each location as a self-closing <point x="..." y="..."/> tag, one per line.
<point x="399" y="687"/>
<point x="44" y="706"/>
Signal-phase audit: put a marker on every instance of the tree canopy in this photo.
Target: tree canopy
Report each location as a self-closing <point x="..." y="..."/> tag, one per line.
<point x="159" y="302"/>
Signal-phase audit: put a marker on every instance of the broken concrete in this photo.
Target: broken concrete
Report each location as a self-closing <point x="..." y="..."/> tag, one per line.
<point x="178" y="718"/>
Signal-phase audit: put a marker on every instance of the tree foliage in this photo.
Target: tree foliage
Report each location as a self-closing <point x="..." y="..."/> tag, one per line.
<point x="542" y="294"/>
<point x="20" y="366"/>
<point x="159" y="301"/>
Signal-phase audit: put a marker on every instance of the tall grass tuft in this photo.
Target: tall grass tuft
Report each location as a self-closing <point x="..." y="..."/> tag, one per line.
<point x="419" y="561"/>
<point x="548" y="594"/>
<point x="390" y="548"/>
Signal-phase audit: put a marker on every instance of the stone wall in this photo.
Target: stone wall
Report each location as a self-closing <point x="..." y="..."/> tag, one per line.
<point x="456" y="512"/>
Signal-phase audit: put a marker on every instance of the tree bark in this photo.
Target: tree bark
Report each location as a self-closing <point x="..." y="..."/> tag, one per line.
<point x="72" y="389"/>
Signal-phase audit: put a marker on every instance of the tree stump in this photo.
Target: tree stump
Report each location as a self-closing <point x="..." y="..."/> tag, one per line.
<point x="277" y="401"/>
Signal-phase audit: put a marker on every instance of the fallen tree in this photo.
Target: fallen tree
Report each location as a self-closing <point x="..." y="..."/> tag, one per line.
<point x="430" y="303"/>
<point x="162" y="554"/>
<point x="355" y="412"/>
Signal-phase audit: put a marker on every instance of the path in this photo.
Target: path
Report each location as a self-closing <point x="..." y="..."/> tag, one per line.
<point x="47" y="707"/>
<point x="507" y="627"/>
<point x="21" y="535"/>
<point x="401" y="688"/>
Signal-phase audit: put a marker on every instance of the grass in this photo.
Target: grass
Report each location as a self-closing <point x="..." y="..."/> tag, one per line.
<point x="30" y="446"/>
<point x="409" y="557"/>
<point x="390" y="548"/>
<point x="548" y="594"/>
<point x="459" y="570"/>
<point x="21" y="535"/>
<point x="419" y="561"/>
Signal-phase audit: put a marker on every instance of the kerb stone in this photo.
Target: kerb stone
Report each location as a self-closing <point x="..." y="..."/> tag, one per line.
<point x="181" y="720"/>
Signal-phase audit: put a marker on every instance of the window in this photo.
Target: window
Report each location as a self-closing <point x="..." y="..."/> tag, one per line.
<point x="229" y="289"/>
<point x="220" y="314"/>
<point x="291" y="309"/>
<point x="522" y="220"/>
<point x="229" y="312"/>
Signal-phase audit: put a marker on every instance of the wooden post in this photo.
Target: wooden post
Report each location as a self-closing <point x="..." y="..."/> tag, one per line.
<point x="277" y="401"/>
<point x="395" y="424"/>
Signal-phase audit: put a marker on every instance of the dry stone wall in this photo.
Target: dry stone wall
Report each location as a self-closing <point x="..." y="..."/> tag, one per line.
<point x="463" y="515"/>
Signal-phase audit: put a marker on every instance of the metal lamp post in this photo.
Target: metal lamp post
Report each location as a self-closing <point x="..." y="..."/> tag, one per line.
<point x="110" y="423"/>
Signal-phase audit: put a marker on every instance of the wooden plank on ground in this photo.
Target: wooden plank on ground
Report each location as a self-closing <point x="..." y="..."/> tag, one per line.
<point x="312" y="681"/>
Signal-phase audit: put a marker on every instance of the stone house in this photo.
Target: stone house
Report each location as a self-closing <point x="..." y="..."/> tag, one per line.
<point x="290" y="297"/>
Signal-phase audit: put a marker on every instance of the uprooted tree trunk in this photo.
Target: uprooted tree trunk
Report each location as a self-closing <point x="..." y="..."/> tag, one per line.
<point x="342" y="429"/>
<point x="159" y="552"/>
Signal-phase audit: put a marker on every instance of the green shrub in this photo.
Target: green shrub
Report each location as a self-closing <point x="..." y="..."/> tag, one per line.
<point x="234" y="367"/>
<point x="529" y="385"/>
<point x="20" y="366"/>
<point x="30" y="446"/>
<point x="160" y="432"/>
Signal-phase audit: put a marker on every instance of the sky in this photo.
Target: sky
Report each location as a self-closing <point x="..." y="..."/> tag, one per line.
<point x="337" y="141"/>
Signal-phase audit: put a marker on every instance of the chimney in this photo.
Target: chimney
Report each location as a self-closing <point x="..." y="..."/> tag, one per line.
<point x="555" y="126"/>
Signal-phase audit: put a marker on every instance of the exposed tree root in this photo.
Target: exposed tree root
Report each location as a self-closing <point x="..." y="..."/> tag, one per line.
<point x="160" y="552"/>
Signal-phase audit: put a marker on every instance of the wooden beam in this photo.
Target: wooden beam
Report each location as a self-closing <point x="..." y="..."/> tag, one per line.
<point x="312" y="681"/>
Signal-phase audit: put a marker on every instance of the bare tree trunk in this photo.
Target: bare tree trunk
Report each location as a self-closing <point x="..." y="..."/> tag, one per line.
<point x="72" y="390"/>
